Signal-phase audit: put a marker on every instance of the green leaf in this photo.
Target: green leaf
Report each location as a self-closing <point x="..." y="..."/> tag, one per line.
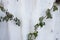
<point x="36" y="26"/>
<point x="5" y="18"/>
<point x="17" y="21"/>
<point x="41" y="19"/>
<point x="30" y="36"/>
<point x="42" y="24"/>
<point x="35" y="34"/>
<point x="55" y="8"/>
<point x="9" y="15"/>
<point x="2" y="8"/>
<point x="48" y="14"/>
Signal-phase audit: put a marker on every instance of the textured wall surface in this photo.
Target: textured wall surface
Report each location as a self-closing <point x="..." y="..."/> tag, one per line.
<point x="29" y="11"/>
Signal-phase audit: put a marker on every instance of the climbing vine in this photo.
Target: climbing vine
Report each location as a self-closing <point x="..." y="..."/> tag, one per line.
<point x="33" y="35"/>
<point x="8" y="16"/>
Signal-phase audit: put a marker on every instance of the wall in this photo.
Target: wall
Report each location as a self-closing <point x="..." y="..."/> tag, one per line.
<point x="4" y="34"/>
<point x="29" y="11"/>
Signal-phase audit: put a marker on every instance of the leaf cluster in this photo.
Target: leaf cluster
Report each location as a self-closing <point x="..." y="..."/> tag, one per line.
<point x="8" y="17"/>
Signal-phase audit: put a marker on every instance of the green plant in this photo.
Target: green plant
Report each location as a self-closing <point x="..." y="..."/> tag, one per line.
<point x="8" y="17"/>
<point x="33" y="35"/>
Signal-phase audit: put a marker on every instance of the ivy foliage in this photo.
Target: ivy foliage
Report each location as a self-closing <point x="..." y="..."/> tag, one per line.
<point x="17" y="21"/>
<point x="8" y="17"/>
<point x="2" y="8"/>
<point x="55" y="8"/>
<point x="48" y="14"/>
<point x="41" y="23"/>
<point x="32" y="36"/>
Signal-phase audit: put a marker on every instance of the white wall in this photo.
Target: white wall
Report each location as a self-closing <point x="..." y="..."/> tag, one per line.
<point x="29" y="11"/>
<point x="4" y="34"/>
